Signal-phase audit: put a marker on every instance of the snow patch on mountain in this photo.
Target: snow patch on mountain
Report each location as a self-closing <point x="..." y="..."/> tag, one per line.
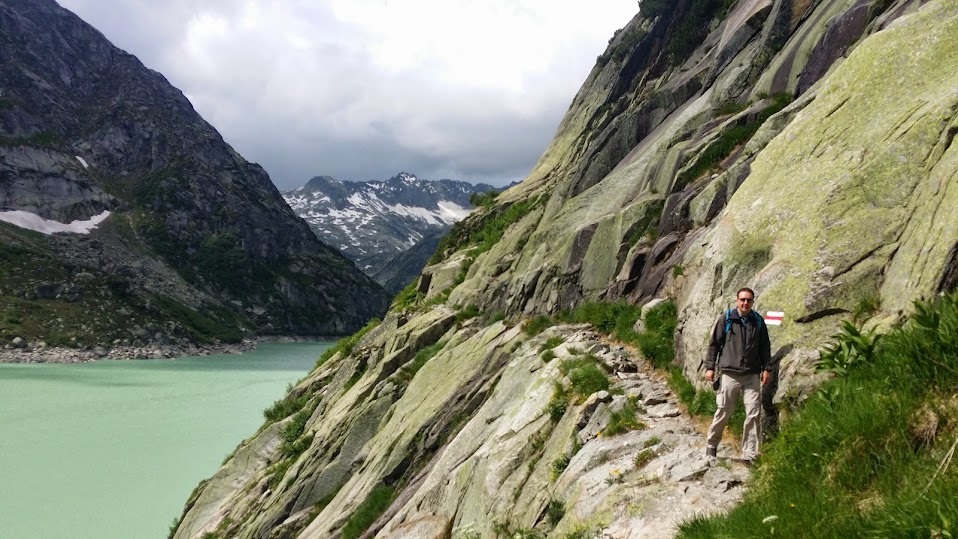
<point x="32" y="221"/>
<point x="375" y="220"/>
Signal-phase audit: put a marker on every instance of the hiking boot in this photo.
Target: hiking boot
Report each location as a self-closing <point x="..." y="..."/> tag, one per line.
<point x="711" y="452"/>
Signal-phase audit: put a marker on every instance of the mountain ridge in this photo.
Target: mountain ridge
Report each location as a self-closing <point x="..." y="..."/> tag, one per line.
<point x="197" y="236"/>
<point x="373" y="221"/>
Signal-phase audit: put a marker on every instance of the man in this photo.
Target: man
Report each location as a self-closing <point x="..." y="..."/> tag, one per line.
<point x="742" y="348"/>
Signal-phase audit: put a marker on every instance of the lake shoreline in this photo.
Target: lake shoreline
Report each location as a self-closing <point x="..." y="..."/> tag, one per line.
<point x="30" y="354"/>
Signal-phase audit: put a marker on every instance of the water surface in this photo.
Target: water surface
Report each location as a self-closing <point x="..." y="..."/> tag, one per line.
<point x="113" y="449"/>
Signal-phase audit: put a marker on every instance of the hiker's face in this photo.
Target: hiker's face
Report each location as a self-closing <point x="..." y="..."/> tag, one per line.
<point x="745" y="302"/>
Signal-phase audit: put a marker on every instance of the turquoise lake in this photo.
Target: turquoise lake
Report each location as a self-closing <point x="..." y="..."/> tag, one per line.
<point x="113" y="449"/>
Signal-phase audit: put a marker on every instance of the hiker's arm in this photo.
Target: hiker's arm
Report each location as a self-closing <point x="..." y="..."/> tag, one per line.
<point x="765" y="350"/>
<point x="716" y="341"/>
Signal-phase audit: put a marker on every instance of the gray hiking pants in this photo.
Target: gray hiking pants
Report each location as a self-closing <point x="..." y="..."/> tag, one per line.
<point x="733" y="385"/>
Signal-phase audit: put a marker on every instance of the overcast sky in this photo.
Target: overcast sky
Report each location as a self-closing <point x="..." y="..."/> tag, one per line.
<point x="362" y="89"/>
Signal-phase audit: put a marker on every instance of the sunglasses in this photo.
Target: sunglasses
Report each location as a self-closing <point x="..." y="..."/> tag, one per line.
<point x="746" y="300"/>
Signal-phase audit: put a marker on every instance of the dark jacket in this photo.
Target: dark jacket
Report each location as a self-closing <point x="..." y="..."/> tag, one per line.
<point x="746" y="348"/>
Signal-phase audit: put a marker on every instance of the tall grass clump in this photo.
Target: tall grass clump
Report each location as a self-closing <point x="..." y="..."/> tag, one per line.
<point x="870" y="455"/>
<point x="586" y="376"/>
<point x="367" y="513"/>
<point x="616" y="319"/>
<point x="656" y="342"/>
<point x="537" y="325"/>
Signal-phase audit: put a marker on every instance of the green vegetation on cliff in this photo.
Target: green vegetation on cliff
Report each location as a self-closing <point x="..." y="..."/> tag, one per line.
<point x="871" y="453"/>
<point x="484" y="232"/>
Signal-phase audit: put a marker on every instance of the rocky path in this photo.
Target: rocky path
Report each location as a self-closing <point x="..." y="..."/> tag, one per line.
<point x="645" y="482"/>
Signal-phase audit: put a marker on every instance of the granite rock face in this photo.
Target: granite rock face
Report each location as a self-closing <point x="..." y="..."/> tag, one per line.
<point x="86" y="128"/>
<point x="805" y="149"/>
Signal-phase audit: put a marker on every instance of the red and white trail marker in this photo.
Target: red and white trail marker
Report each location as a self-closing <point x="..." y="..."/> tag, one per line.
<point x="774" y="318"/>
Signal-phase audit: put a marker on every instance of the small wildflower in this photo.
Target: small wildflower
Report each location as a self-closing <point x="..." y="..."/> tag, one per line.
<point x="792" y="505"/>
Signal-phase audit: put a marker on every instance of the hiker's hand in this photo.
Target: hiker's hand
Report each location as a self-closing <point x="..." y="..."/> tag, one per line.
<point x="710" y="375"/>
<point x="766" y="377"/>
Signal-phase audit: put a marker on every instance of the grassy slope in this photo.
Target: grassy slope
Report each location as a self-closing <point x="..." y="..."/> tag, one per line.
<point x="870" y="454"/>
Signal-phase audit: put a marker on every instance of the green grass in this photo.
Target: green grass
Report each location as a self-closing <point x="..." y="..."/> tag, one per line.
<point x="483" y="200"/>
<point x="407" y="298"/>
<point x="656" y="342"/>
<point x="559" y="403"/>
<point x="551" y="343"/>
<point x="862" y="458"/>
<point x="555" y="511"/>
<point x="559" y="465"/>
<point x="624" y="420"/>
<point x="548" y="355"/>
<point x="484" y="232"/>
<point x="537" y="325"/>
<point x="709" y="159"/>
<point x="615" y="319"/>
<point x="409" y="370"/>
<point x="468" y="312"/>
<point x="345" y="345"/>
<point x="285" y="407"/>
<point x="367" y="513"/>
<point x="586" y="376"/>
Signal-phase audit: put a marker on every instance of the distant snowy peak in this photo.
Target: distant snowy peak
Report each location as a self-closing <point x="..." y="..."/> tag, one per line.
<point x="374" y="220"/>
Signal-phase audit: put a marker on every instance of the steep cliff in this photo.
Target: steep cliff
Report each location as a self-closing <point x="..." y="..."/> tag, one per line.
<point x="197" y="243"/>
<point x="803" y="148"/>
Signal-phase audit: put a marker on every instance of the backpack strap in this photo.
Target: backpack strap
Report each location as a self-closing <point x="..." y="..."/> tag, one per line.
<point x="759" y="321"/>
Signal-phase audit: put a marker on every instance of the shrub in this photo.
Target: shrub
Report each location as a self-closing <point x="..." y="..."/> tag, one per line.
<point x="548" y="355"/>
<point x="483" y="200"/>
<point x="559" y="403"/>
<point x="559" y="465"/>
<point x="616" y="319"/>
<point x="643" y="457"/>
<point x="849" y="348"/>
<point x="285" y="407"/>
<point x="555" y="511"/>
